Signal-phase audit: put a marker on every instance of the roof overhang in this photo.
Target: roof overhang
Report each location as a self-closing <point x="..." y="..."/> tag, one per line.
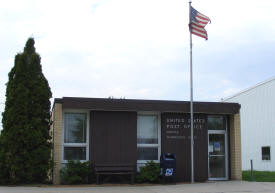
<point x="106" y="104"/>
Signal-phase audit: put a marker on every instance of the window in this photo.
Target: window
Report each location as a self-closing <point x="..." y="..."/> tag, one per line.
<point x="266" y="153"/>
<point x="75" y="143"/>
<point x="148" y="142"/>
<point x="216" y="122"/>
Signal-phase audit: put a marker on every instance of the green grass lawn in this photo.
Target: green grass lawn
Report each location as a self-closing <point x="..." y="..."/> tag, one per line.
<point x="260" y="176"/>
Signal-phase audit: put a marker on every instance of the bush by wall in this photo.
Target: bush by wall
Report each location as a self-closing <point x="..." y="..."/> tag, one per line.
<point x="149" y="173"/>
<point x="76" y="172"/>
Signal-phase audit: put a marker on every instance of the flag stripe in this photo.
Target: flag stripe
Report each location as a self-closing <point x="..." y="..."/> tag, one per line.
<point x="199" y="30"/>
<point x="201" y="35"/>
<point x="202" y="23"/>
<point x="202" y="16"/>
<point x="193" y="25"/>
<point x="196" y="25"/>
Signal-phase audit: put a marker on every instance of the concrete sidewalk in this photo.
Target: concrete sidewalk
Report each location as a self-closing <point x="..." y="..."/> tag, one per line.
<point x="207" y="187"/>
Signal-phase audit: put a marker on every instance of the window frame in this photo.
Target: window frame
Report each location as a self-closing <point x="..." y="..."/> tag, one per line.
<point x="158" y="115"/>
<point x="76" y="144"/>
<point x="269" y="153"/>
<point x="216" y="115"/>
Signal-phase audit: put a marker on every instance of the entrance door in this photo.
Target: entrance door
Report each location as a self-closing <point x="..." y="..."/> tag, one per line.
<point x="217" y="155"/>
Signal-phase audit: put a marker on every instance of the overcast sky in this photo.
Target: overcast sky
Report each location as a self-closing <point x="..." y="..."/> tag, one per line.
<point x="140" y="48"/>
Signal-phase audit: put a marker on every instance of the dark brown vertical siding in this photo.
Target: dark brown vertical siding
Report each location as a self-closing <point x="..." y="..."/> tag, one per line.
<point x="180" y="145"/>
<point x="113" y="137"/>
<point x="200" y="148"/>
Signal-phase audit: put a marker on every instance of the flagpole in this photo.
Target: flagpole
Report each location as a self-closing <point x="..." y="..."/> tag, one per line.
<point x="191" y="100"/>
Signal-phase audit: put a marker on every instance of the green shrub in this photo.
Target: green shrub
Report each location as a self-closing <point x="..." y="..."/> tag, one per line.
<point x="76" y="172"/>
<point x="149" y="173"/>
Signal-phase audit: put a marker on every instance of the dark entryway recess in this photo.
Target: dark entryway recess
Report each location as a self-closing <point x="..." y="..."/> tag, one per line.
<point x="113" y="137"/>
<point x="176" y="139"/>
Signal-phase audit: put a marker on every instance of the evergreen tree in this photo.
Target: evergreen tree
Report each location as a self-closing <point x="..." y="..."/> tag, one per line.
<point x="25" y="147"/>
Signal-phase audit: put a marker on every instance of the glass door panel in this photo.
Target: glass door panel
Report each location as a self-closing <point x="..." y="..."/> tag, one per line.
<point x="217" y="167"/>
<point x="216" y="144"/>
<point x="217" y="156"/>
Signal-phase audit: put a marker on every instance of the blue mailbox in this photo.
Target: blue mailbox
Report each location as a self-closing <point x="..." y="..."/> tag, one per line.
<point x="168" y="166"/>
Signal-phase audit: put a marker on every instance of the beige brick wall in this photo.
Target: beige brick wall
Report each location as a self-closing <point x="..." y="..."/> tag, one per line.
<point x="235" y="147"/>
<point x="57" y="138"/>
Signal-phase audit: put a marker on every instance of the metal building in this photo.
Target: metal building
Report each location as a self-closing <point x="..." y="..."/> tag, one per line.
<point x="257" y="125"/>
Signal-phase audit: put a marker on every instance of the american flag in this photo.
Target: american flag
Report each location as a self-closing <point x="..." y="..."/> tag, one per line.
<point x="197" y="23"/>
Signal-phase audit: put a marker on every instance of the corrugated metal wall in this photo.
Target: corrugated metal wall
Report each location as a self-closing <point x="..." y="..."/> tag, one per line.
<point x="257" y="124"/>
